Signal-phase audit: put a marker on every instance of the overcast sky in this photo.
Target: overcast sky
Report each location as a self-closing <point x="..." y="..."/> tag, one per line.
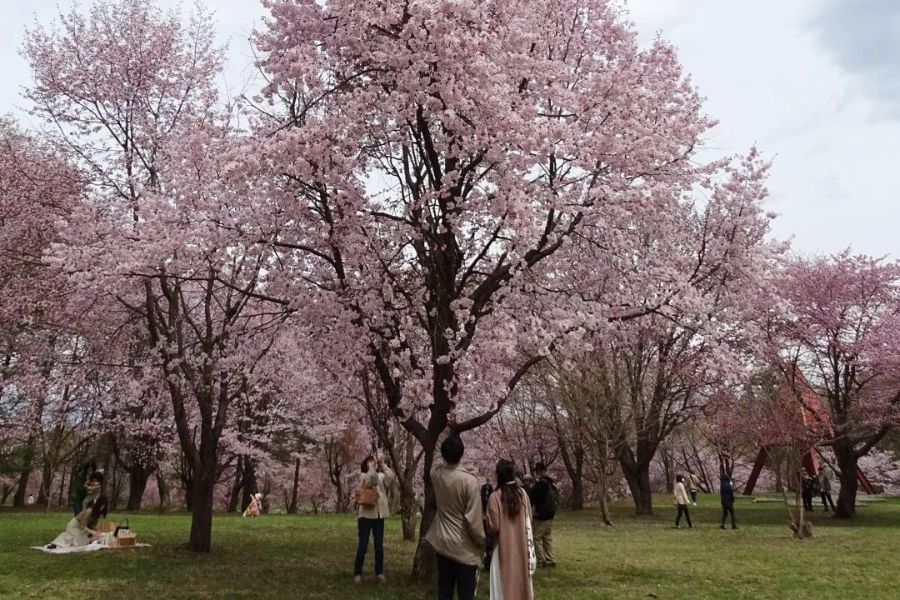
<point x="814" y="83"/>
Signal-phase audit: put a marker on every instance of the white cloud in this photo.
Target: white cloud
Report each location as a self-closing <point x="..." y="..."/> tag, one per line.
<point x="768" y="81"/>
<point x="863" y="38"/>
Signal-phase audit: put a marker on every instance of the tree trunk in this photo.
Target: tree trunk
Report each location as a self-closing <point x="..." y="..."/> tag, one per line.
<point x="668" y="470"/>
<point x="62" y="489"/>
<point x="577" y="500"/>
<point x="201" y="513"/>
<point x="137" y="483"/>
<point x="163" y="486"/>
<point x="5" y="493"/>
<point x="236" y="486"/>
<point x="408" y="509"/>
<point x="204" y="482"/>
<point x="340" y="504"/>
<point x="425" y="561"/>
<point x="604" y="492"/>
<point x="115" y="486"/>
<point x="295" y="489"/>
<point x="849" y="468"/>
<point x="779" y="481"/>
<point x="249" y="483"/>
<point x="638" y="478"/>
<point x="108" y="466"/>
<point x="45" y="492"/>
<point x="22" y="487"/>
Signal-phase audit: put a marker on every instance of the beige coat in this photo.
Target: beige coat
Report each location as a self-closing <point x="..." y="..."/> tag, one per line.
<point x="457" y="531"/>
<point x="384" y="482"/>
<point x="512" y="547"/>
<point x="681" y="495"/>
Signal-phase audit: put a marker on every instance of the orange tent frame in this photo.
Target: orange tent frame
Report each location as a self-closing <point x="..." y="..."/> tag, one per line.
<point x="814" y="416"/>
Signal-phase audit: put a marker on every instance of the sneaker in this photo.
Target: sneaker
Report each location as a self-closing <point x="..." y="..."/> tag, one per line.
<point x="677" y="527"/>
<point x="382" y="579"/>
<point x="358" y="580"/>
<point x="723" y="527"/>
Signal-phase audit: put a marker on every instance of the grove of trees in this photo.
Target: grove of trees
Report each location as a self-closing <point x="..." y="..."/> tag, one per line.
<point x="500" y="210"/>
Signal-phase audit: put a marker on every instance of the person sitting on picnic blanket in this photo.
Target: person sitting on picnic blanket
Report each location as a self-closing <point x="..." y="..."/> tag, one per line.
<point x="253" y="508"/>
<point x="81" y="529"/>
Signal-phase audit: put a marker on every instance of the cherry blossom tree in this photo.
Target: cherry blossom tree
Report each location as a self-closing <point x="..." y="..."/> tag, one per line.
<point x="37" y="187"/>
<point x="436" y="161"/>
<point x="838" y="335"/>
<point x="131" y="91"/>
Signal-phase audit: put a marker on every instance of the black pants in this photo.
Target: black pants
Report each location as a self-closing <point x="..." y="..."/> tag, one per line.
<point x="683" y="510"/>
<point x="490" y="543"/>
<point x="826" y="496"/>
<point x="728" y="509"/>
<point x="376" y="528"/>
<point x="807" y="500"/>
<point x="694" y="492"/>
<point x="454" y="576"/>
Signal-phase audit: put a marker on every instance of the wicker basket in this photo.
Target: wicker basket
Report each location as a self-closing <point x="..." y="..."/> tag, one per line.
<point x="126" y="540"/>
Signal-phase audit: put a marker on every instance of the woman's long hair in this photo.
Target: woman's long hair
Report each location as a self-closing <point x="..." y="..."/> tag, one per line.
<point x="99" y="508"/>
<point x="510" y="492"/>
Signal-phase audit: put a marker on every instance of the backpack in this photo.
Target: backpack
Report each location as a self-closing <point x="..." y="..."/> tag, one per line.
<point x="486" y="491"/>
<point x="552" y="501"/>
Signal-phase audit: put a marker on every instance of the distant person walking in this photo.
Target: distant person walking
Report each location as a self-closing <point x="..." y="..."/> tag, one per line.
<point x="544" y="498"/>
<point x="806" y="492"/>
<point x="825" y="491"/>
<point x="682" y="500"/>
<point x="726" y="494"/>
<point x="457" y="532"/>
<point x="376" y="478"/>
<point x="509" y="519"/>
<point x="693" y="487"/>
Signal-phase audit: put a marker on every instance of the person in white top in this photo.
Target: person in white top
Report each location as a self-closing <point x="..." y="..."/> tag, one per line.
<point x="370" y="519"/>
<point x="681" y="501"/>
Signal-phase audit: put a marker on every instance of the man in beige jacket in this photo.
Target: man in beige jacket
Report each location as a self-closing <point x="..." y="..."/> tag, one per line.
<point x="457" y="532"/>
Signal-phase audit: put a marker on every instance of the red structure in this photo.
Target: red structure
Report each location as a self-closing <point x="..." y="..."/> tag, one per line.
<point x="815" y="417"/>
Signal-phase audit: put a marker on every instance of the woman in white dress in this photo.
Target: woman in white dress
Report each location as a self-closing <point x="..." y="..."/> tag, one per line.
<point x="80" y="529"/>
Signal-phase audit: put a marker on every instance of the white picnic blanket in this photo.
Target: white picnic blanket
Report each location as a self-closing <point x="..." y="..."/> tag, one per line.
<point x="92" y="547"/>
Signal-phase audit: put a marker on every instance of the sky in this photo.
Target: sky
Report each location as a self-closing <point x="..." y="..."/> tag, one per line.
<point x="815" y="84"/>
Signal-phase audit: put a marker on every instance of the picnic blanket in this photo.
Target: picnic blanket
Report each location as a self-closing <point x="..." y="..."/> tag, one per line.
<point x="92" y="547"/>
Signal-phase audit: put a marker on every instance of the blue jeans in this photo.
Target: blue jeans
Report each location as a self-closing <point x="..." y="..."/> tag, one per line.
<point x="376" y="527"/>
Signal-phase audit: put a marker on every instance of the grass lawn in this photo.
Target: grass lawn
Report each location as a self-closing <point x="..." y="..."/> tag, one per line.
<point x="310" y="557"/>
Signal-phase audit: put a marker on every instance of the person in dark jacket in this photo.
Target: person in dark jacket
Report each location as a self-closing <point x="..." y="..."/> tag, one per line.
<point x="544" y="500"/>
<point x="825" y="491"/>
<point x="726" y="493"/>
<point x="490" y="542"/>
<point x="806" y="492"/>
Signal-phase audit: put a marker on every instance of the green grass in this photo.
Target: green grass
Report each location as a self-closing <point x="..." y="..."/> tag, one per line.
<point x="310" y="557"/>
